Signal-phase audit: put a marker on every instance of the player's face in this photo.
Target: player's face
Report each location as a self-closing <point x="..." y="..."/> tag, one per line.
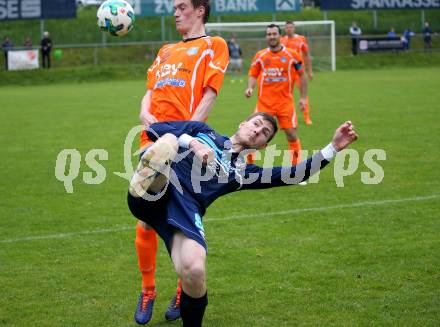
<point x="290" y="29"/>
<point x="255" y="133"/>
<point x="186" y="16"/>
<point x="273" y="37"/>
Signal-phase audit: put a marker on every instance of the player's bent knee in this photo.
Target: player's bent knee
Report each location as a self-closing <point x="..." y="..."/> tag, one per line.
<point x="189" y="259"/>
<point x="193" y="274"/>
<point x="193" y="267"/>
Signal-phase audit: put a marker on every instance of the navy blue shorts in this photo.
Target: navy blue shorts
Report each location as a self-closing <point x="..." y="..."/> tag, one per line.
<point x="173" y="212"/>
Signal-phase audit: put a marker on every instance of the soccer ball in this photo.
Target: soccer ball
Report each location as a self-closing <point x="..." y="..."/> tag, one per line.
<point x="116" y="17"/>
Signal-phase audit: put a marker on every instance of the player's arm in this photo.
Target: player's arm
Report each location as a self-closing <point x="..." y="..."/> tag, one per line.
<point x="308" y="62"/>
<point x="204" y="153"/>
<point x="303" y="92"/>
<point x="205" y="105"/>
<point x="252" y="81"/>
<point x="281" y="176"/>
<point x="298" y="68"/>
<point x="145" y="113"/>
<point x="216" y="66"/>
<point x="145" y="116"/>
<point x="254" y="72"/>
<point x="185" y="131"/>
<point x="177" y="128"/>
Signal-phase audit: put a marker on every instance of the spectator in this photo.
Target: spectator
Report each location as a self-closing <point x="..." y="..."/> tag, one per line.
<point x="406" y="38"/>
<point x="235" y="54"/>
<point x="427" y="36"/>
<point x="6" y="46"/>
<point x="27" y="42"/>
<point x="392" y="33"/>
<point x="46" y="47"/>
<point x="355" y="33"/>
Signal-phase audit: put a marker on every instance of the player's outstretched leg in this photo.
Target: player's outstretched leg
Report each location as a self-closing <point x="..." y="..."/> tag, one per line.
<point x="173" y="311"/>
<point x="153" y="170"/>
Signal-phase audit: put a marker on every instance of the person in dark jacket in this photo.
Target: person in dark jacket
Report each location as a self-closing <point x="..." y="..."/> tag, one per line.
<point x="427" y="36"/>
<point x="6" y="46"/>
<point x="46" y="47"/>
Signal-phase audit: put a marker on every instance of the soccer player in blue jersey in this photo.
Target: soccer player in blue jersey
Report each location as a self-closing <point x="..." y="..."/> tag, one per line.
<point x="187" y="168"/>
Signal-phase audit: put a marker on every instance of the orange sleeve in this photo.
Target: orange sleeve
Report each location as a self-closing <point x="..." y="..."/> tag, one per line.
<point x="217" y="65"/>
<point x="305" y="46"/>
<point x="255" y="68"/>
<point x="298" y="64"/>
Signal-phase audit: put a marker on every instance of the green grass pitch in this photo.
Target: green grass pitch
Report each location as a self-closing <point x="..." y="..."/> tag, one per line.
<point x="295" y="256"/>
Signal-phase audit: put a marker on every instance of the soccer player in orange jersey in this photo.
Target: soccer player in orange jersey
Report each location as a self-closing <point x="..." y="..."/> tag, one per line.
<point x="183" y="83"/>
<point x="274" y="69"/>
<point x="299" y="43"/>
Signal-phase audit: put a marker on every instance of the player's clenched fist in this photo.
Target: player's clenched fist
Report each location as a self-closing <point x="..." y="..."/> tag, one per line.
<point x="248" y="92"/>
<point x="344" y="136"/>
<point x="148" y="119"/>
<point x="202" y="152"/>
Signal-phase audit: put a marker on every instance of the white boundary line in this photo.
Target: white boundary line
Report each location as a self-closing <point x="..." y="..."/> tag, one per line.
<point x="341" y="206"/>
<point x="237" y="217"/>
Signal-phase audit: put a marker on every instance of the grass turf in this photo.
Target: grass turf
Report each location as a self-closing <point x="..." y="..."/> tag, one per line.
<point x="350" y="258"/>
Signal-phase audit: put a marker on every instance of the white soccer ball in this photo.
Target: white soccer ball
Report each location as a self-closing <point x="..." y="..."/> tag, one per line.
<point x="116" y="17"/>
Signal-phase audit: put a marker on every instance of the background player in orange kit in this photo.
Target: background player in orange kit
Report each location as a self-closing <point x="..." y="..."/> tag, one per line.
<point x="183" y="83"/>
<point x="275" y="68"/>
<point x="299" y="44"/>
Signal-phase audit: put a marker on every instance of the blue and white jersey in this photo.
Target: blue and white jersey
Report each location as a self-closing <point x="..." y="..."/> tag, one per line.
<point x="229" y="172"/>
<point x="193" y="187"/>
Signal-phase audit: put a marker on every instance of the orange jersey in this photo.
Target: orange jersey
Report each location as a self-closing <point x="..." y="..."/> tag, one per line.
<point x="296" y="42"/>
<point x="180" y="74"/>
<point x="275" y="72"/>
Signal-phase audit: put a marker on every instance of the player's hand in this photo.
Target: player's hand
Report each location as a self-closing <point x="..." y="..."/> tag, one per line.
<point x="148" y="119"/>
<point x="203" y="152"/>
<point x="344" y="136"/>
<point x="303" y="104"/>
<point x="248" y="92"/>
<point x="310" y="76"/>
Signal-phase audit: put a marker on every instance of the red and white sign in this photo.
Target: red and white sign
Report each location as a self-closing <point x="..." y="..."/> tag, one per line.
<point x="20" y="60"/>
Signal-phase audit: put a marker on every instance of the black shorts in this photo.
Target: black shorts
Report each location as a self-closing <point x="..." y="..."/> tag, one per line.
<point x="169" y="214"/>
